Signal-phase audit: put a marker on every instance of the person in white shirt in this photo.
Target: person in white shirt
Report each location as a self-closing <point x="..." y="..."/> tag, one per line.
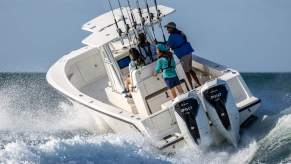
<point x="136" y="63"/>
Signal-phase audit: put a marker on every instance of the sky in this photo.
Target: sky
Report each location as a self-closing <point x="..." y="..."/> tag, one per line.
<point x="247" y="35"/>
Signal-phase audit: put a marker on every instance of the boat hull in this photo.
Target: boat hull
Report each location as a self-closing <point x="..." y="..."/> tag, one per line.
<point x="106" y="123"/>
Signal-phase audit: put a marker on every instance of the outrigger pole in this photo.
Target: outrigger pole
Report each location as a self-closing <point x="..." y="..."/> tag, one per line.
<point x="119" y="31"/>
<point x="159" y="19"/>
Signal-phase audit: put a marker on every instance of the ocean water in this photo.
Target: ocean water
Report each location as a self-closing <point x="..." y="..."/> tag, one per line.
<point x="37" y="125"/>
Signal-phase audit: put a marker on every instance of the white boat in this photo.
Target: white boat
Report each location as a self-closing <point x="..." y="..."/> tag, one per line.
<point x="92" y="79"/>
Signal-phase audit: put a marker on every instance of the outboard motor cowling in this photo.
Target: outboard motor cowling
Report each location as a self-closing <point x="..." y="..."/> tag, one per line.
<point x="222" y="110"/>
<point x="192" y="120"/>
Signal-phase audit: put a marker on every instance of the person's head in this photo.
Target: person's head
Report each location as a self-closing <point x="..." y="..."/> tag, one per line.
<point x="142" y="38"/>
<point x="171" y="26"/>
<point x="162" y="49"/>
<point x="134" y="54"/>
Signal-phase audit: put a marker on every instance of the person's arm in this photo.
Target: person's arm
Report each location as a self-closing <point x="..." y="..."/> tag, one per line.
<point x="157" y="68"/>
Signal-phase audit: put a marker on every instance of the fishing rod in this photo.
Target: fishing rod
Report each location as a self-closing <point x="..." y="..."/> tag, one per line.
<point x="151" y="17"/>
<point x="140" y="15"/>
<point x="134" y="24"/>
<point x="132" y="21"/>
<point x="142" y="22"/>
<point x="119" y="31"/>
<point x="123" y="17"/>
<point x="125" y="24"/>
<point x="159" y="14"/>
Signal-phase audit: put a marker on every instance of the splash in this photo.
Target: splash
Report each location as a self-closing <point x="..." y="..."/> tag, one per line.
<point x="64" y="118"/>
<point x="39" y="126"/>
<point x="79" y="149"/>
<point x="28" y="104"/>
<point x="226" y="155"/>
<point x="277" y="143"/>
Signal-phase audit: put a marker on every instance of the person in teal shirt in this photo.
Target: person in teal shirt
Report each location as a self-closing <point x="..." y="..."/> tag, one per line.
<point x="167" y="65"/>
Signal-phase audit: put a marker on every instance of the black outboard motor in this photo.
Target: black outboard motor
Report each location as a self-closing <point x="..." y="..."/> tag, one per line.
<point x="192" y="120"/>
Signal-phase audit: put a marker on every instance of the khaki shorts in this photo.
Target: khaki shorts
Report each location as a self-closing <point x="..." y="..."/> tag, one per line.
<point x="186" y="62"/>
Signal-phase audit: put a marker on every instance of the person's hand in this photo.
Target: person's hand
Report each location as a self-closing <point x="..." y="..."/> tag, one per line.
<point x="155" y="74"/>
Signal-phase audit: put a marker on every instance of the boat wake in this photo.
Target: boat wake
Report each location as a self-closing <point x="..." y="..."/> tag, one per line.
<point x="72" y="139"/>
<point x="268" y="139"/>
<point x="65" y="136"/>
<point x="38" y="126"/>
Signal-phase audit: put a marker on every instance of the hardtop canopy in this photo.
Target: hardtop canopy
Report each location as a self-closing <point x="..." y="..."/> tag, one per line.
<point x="103" y="27"/>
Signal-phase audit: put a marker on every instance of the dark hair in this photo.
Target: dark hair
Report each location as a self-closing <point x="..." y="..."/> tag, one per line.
<point x="142" y="37"/>
<point x="136" y="56"/>
<point x="166" y="54"/>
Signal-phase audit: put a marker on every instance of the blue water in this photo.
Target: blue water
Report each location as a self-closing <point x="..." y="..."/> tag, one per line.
<point x="37" y="125"/>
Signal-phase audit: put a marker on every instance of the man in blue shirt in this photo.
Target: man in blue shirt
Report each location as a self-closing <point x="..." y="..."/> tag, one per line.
<point x="177" y="41"/>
